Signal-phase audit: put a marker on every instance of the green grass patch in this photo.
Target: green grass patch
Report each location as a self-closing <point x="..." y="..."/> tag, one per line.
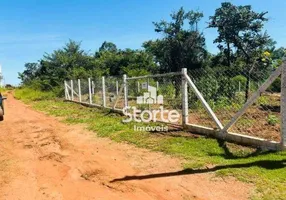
<point x="266" y="170"/>
<point x="29" y="94"/>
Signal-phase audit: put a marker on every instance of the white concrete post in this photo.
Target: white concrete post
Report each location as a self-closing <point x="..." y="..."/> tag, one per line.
<point x="79" y="90"/>
<point x="93" y="87"/>
<point x="283" y="106"/>
<point x="117" y="91"/>
<point x="157" y="85"/>
<point x="125" y="90"/>
<point x="72" y="93"/>
<point x="89" y="89"/>
<point x="103" y="92"/>
<point x="239" y="86"/>
<point x="66" y="90"/>
<point x="138" y="86"/>
<point x="185" y="106"/>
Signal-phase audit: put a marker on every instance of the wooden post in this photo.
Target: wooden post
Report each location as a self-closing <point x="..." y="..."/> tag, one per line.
<point x="125" y="90"/>
<point x="185" y="106"/>
<point x="72" y="93"/>
<point x="103" y="92"/>
<point x="79" y="90"/>
<point x="283" y="106"/>
<point x="89" y="90"/>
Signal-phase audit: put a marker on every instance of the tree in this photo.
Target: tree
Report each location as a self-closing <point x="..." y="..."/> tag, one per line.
<point x="241" y="32"/>
<point x="180" y="47"/>
<point x="29" y="73"/>
<point x="108" y="46"/>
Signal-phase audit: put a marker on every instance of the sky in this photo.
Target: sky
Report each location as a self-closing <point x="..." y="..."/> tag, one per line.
<point x="30" y="28"/>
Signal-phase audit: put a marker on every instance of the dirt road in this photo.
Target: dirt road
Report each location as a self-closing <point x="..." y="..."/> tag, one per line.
<point x="41" y="158"/>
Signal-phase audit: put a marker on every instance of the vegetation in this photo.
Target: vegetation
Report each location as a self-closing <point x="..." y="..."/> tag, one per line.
<point x="244" y="49"/>
<point x="265" y="170"/>
<point x="246" y="56"/>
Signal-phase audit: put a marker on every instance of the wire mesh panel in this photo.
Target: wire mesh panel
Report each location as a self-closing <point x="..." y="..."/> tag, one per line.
<point x="75" y="90"/>
<point x="112" y="90"/>
<point x="84" y="85"/>
<point x="96" y="90"/>
<point x="226" y="91"/>
<point x="160" y="94"/>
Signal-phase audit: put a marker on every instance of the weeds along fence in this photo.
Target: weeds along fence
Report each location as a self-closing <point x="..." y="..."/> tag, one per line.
<point x="247" y="108"/>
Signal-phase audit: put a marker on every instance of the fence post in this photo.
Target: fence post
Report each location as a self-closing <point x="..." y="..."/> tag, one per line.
<point x="79" y="90"/>
<point x="185" y="106"/>
<point x="117" y="88"/>
<point x="93" y="87"/>
<point x="157" y="85"/>
<point x="72" y="93"/>
<point x="125" y="90"/>
<point x="103" y="92"/>
<point x="89" y="90"/>
<point x="138" y="86"/>
<point x="283" y="106"/>
<point x="66" y="90"/>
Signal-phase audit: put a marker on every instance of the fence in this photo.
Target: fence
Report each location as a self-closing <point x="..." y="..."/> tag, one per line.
<point x="236" y="106"/>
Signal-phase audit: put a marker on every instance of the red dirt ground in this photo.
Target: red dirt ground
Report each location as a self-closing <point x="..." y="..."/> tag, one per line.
<point x="41" y="158"/>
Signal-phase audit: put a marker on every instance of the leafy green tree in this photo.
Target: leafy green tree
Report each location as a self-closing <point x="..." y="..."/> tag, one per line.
<point x="181" y="46"/>
<point x="241" y="33"/>
<point x="108" y="46"/>
<point x="29" y="73"/>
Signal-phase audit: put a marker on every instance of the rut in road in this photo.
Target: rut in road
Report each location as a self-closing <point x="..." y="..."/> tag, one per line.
<point x="42" y="158"/>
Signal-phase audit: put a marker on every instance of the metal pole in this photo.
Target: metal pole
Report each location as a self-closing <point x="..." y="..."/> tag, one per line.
<point x="79" y="90"/>
<point x="185" y="106"/>
<point x="89" y="89"/>
<point x="103" y="92"/>
<point x="125" y="90"/>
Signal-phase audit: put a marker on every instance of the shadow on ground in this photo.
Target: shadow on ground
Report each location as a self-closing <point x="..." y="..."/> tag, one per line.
<point x="266" y="164"/>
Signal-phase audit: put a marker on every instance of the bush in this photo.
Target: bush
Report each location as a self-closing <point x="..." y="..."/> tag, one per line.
<point x="29" y="94"/>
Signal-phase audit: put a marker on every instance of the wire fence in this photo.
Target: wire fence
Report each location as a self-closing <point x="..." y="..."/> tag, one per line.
<point x="221" y="99"/>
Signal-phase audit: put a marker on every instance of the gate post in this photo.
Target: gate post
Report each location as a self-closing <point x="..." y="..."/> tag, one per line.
<point x="283" y="106"/>
<point x="125" y="90"/>
<point x="185" y="106"/>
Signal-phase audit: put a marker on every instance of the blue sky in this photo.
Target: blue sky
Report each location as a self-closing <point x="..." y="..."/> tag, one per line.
<point x="30" y="28"/>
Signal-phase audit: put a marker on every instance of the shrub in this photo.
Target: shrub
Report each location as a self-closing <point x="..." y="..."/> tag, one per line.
<point x="272" y="120"/>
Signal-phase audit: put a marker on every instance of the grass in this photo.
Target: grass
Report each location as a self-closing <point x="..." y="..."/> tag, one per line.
<point x="29" y="94"/>
<point x="266" y="170"/>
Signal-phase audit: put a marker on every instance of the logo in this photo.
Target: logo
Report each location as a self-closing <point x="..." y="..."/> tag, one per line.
<point x="154" y="115"/>
<point x="150" y="97"/>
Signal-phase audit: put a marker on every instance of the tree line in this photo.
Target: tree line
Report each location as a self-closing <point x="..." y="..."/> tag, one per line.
<point x="244" y="48"/>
